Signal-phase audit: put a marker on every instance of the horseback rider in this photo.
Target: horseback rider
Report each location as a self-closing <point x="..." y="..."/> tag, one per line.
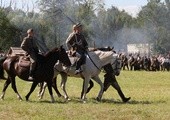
<point x="29" y="45"/>
<point x="77" y="42"/>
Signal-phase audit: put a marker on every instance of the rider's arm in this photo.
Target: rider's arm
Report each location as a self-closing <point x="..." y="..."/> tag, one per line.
<point x="25" y="45"/>
<point x="70" y="41"/>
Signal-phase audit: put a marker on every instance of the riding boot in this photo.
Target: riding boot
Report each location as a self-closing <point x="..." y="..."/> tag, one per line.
<point x="124" y="99"/>
<point x="78" y="65"/>
<point x="31" y="73"/>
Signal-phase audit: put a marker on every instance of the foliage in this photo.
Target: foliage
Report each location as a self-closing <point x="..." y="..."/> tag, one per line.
<point x="155" y="17"/>
<point x="102" y="26"/>
<point x="8" y="31"/>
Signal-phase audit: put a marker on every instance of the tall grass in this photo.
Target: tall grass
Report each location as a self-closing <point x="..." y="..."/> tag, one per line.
<point x="149" y="92"/>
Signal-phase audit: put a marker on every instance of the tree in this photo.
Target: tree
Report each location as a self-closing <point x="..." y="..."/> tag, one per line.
<point x="154" y="17"/>
<point x="8" y="31"/>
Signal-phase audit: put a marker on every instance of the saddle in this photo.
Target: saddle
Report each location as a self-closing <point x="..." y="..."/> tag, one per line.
<point x="73" y="57"/>
<point x="73" y="60"/>
<point x="24" y="61"/>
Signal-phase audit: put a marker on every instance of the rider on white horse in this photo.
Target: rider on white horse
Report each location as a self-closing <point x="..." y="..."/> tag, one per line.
<point x="77" y="42"/>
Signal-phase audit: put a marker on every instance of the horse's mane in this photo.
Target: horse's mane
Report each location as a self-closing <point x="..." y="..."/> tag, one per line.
<point x="104" y="54"/>
<point x="51" y="51"/>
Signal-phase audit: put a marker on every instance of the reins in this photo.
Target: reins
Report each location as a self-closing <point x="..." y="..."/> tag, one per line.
<point x="93" y="62"/>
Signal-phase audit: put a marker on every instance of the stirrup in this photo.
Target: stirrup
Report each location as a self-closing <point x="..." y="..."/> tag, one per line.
<point x="30" y="78"/>
<point x="78" y="71"/>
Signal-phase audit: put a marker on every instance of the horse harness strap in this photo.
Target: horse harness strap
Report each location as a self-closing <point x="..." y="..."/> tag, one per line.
<point x="93" y="62"/>
<point x="116" y="66"/>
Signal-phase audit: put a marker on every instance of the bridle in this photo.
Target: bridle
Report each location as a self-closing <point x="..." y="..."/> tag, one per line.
<point x="116" y="62"/>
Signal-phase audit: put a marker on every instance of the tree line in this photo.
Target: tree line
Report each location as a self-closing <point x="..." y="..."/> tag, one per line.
<point x="102" y="27"/>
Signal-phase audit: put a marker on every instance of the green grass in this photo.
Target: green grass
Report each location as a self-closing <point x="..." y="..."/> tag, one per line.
<point x="149" y="92"/>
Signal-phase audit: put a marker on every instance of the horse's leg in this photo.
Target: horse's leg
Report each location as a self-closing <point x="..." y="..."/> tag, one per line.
<point x="97" y="79"/>
<point x="63" y="85"/>
<point x="13" y="84"/>
<point x="42" y="91"/>
<point x="2" y="73"/>
<point x="85" y="86"/>
<point x="88" y="89"/>
<point x="117" y="87"/>
<point x="34" y="84"/>
<point x="82" y="91"/>
<point x="49" y="84"/>
<point x="8" y="81"/>
<point x="54" y="85"/>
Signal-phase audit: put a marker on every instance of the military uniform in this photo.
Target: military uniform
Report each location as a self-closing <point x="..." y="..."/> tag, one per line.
<point x="77" y="42"/>
<point x="29" y="45"/>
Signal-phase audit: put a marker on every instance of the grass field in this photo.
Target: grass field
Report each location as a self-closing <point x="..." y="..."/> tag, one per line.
<point x="149" y="92"/>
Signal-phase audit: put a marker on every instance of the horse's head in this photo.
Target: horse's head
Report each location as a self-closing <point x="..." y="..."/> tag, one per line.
<point x="58" y="54"/>
<point x="116" y="65"/>
<point x="64" y="57"/>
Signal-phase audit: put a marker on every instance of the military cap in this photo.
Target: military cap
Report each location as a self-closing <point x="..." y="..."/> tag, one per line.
<point x="29" y="30"/>
<point x="79" y="25"/>
<point x="74" y="26"/>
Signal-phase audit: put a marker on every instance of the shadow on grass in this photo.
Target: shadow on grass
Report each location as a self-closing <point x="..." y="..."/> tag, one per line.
<point x="132" y="102"/>
<point x="77" y="100"/>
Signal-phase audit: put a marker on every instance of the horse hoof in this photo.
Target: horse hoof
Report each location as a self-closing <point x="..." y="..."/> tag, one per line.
<point x="26" y="98"/>
<point x="62" y="97"/>
<point x="126" y="99"/>
<point x="68" y="99"/>
<point x="20" y="99"/>
<point x="40" y="98"/>
<point x="83" y="101"/>
<point x="2" y="97"/>
<point x="98" y="99"/>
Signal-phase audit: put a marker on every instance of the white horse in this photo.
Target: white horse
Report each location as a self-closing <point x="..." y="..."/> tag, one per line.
<point x="95" y="60"/>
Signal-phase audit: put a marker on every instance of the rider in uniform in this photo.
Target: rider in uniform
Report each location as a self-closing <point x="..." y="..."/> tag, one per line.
<point x="29" y="45"/>
<point x="77" y="42"/>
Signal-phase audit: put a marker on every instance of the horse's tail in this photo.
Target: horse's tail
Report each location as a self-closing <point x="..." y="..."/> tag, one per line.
<point x="2" y="59"/>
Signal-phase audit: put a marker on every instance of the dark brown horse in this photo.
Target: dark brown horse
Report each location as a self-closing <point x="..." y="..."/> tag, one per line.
<point x="43" y="73"/>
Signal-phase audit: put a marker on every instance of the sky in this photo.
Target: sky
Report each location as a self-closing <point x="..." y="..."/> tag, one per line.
<point x="130" y="6"/>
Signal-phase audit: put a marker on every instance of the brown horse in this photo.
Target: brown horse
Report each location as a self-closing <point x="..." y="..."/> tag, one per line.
<point x="43" y="73"/>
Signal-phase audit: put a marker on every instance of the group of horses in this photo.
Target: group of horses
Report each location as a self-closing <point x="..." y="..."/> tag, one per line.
<point x="138" y="62"/>
<point x="57" y="61"/>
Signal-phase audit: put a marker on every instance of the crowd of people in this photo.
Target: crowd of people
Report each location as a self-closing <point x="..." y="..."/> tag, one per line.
<point x="139" y="62"/>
